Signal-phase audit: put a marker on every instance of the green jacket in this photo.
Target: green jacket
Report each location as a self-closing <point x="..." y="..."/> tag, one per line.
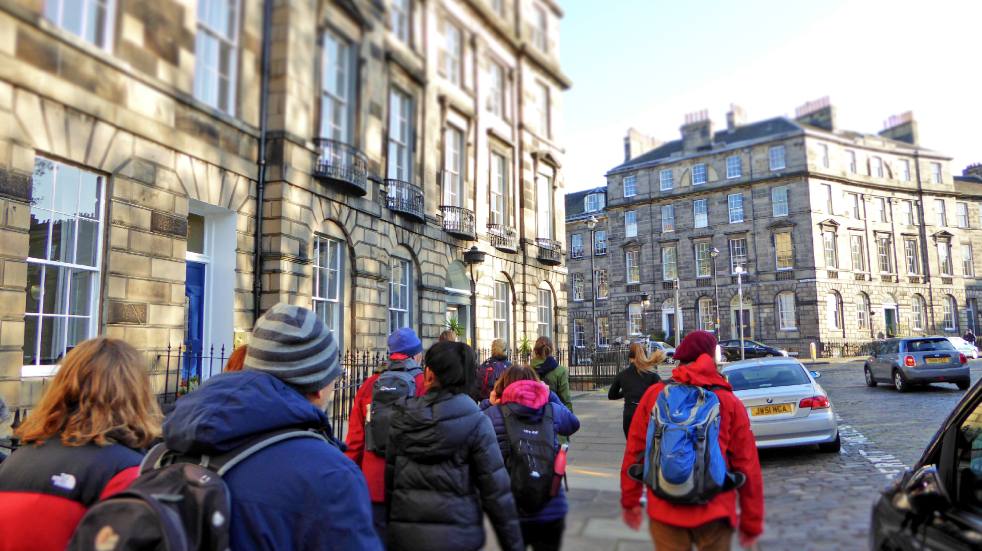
<point x="556" y="376"/>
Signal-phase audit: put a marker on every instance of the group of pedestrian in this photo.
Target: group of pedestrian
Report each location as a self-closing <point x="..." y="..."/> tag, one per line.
<point x="690" y="452"/>
<point x="436" y="442"/>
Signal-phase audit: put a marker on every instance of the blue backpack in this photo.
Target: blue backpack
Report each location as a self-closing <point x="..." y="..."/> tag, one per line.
<point x="683" y="463"/>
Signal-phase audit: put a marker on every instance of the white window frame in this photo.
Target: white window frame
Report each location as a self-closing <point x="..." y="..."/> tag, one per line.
<point x="454" y="151"/>
<point x="539" y="28"/>
<point x="876" y="167"/>
<point x="400" y="294"/>
<point x="786" y="311"/>
<point x="579" y="333"/>
<point x="734" y="167"/>
<point x="400" y="19"/>
<point x="833" y="310"/>
<point x="936" y="176"/>
<point x="630" y="224"/>
<point x="968" y="260"/>
<point x="336" y="104"/>
<point x="670" y="263"/>
<point x="908" y="211"/>
<point x="779" y="201"/>
<point x="881" y="210"/>
<point x="399" y="158"/>
<point x="829" y="200"/>
<point x="699" y="174"/>
<point x="904" y="170"/>
<point x="630" y="184"/>
<point x="544" y="321"/>
<point x="705" y="317"/>
<point x="201" y="71"/>
<point x="853" y="166"/>
<point x="501" y="311"/>
<point x="665" y="179"/>
<point x="961" y="214"/>
<point x="497" y="89"/>
<point x="667" y="218"/>
<point x="54" y="11"/>
<point x="602" y="289"/>
<point x="635" y="313"/>
<point x="704" y="260"/>
<point x="603" y="331"/>
<point x="46" y="266"/>
<point x="734" y="205"/>
<point x="856" y="206"/>
<point x="917" y="307"/>
<point x="700" y="213"/>
<point x="944" y="258"/>
<point x="949" y="307"/>
<point x="824" y="157"/>
<point x="884" y="254"/>
<point x="862" y="311"/>
<point x="321" y="268"/>
<point x="600" y="242"/>
<point x="499" y="189"/>
<point x="858" y="253"/>
<point x="776" y="157"/>
<point x="544" y="203"/>
<point x="593" y="202"/>
<point x="632" y="266"/>
<point x="579" y="287"/>
<point x="576" y="245"/>
<point x="453" y="53"/>
<point x="738" y="251"/>
<point x="830" y="248"/>
<point x="911" y="256"/>
<point x="941" y="213"/>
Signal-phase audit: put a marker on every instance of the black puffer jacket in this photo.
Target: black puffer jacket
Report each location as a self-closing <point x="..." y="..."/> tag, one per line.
<point x="443" y="467"/>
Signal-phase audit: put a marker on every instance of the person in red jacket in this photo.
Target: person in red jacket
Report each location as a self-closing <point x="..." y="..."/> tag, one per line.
<point x="708" y="527"/>
<point x="405" y="353"/>
<point x="82" y="443"/>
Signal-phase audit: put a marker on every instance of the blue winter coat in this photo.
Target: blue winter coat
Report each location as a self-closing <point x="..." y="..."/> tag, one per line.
<point x="564" y="423"/>
<point x="298" y="494"/>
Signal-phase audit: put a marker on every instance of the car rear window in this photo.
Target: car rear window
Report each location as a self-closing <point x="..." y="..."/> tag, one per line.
<point x="928" y="345"/>
<point x="766" y="376"/>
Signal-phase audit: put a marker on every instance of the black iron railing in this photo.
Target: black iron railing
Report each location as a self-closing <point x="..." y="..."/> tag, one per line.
<point x="502" y="237"/>
<point x="343" y="164"/>
<point x="179" y="369"/>
<point x="458" y="222"/>
<point x="550" y="251"/>
<point x="405" y="198"/>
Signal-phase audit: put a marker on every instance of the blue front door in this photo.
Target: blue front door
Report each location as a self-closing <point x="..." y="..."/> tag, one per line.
<point x="194" y="293"/>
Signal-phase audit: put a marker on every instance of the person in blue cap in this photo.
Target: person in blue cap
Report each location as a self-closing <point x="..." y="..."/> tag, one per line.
<point x="371" y="414"/>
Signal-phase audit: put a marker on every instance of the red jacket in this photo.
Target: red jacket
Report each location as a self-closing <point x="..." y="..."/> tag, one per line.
<point x="372" y="465"/>
<point x="45" y="489"/>
<point x="735" y="441"/>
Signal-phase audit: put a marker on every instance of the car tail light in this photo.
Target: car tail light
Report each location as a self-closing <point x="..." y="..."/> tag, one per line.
<point x="815" y="402"/>
<point x="963" y="359"/>
<point x="909" y="361"/>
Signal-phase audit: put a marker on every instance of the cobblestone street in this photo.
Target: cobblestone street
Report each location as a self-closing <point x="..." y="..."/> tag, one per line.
<point x="813" y="500"/>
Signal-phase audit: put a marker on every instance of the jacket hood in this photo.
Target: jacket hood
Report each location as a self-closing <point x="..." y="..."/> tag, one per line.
<point x="407" y="364"/>
<point x="702" y="372"/>
<point x="230" y="408"/>
<point x="544" y="367"/>
<point x="531" y="394"/>
<point x="435" y="426"/>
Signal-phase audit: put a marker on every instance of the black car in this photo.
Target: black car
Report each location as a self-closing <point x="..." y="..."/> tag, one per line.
<point x="751" y="349"/>
<point x="937" y="505"/>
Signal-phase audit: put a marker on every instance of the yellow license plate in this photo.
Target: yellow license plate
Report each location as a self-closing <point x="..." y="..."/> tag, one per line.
<point x="775" y="409"/>
<point x="937" y="360"/>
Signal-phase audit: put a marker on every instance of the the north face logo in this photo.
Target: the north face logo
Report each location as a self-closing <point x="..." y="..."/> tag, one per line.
<point x="64" y="481"/>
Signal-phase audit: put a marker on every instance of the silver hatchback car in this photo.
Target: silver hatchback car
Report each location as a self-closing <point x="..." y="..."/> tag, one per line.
<point x="787" y="407"/>
<point x="916" y="360"/>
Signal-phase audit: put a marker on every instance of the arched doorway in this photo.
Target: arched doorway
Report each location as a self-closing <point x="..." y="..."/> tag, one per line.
<point x="744" y="315"/>
<point x="668" y="318"/>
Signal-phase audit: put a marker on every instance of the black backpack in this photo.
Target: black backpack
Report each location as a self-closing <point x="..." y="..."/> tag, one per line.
<point x="487" y="376"/>
<point x="532" y="460"/>
<point x="391" y="385"/>
<point x="178" y="503"/>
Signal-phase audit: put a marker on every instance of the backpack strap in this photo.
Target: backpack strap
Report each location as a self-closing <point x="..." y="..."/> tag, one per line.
<point x="152" y="460"/>
<point x="226" y="462"/>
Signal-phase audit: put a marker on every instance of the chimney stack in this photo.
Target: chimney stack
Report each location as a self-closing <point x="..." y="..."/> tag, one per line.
<point x="636" y="143"/>
<point x="735" y="117"/>
<point x="818" y="113"/>
<point x="902" y="128"/>
<point x="697" y="132"/>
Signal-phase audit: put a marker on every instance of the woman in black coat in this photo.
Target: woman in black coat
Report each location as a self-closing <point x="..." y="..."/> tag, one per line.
<point x="443" y="465"/>
<point x="632" y="383"/>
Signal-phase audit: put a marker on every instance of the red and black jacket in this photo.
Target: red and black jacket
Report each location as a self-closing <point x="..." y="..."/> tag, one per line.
<point x="45" y="489"/>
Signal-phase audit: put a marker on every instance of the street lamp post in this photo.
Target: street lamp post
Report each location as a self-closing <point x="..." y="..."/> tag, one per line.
<point x="591" y="225"/>
<point x="739" y="273"/>
<point x="678" y="315"/>
<point x="473" y="257"/>
<point x="715" y="253"/>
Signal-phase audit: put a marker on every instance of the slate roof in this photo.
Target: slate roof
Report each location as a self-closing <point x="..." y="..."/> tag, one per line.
<point x="575" y="203"/>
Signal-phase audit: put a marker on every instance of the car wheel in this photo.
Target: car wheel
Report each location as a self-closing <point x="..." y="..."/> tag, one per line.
<point x="899" y="381"/>
<point x="963" y="385"/>
<point x="831" y="447"/>
<point x="870" y="381"/>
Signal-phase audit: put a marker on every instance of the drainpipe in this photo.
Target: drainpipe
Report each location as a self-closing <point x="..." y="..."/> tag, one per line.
<point x="257" y="284"/>
<point x="925" y="260"/>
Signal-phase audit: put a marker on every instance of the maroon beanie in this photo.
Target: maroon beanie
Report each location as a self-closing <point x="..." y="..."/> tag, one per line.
<point x="695" y="344"/>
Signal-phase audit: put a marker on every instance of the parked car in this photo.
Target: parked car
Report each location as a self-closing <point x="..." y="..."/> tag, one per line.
<point x="937" y="505"/>
<point x="661" y="345"/>
<point x="911" y="361"/>
<point x="751" y="349"/>
<point x="965" y="347"/>
<point x="787" y="406"/>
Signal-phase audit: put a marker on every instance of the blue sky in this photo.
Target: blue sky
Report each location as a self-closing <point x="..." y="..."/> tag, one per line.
<point x="646" y="63"/>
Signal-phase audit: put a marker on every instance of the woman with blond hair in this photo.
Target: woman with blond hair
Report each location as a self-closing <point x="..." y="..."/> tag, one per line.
<point x="631" y="383"/>
<point x="82" y="442"/>
<point x="489" y="371"/>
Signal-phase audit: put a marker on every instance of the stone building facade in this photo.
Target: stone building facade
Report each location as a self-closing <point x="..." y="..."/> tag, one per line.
<point x="842" y="236"/>
<point x="398" y="135"/>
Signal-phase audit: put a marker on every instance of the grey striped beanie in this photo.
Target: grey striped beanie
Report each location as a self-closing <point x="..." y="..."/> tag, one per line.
<point x="292" y="344"/>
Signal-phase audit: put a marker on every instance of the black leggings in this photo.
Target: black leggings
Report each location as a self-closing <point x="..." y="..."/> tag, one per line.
<point x="629" y="410"/>
<point x="544" y="536"/>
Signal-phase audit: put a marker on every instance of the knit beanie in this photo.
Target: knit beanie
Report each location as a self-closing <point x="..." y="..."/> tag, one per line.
<point x="405" y="341"/>
<point x="694" y="345"/>
<point x="292" y="344"/>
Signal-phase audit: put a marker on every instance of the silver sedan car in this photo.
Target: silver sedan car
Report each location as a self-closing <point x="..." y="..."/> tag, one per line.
<point x="787" y="407"/>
